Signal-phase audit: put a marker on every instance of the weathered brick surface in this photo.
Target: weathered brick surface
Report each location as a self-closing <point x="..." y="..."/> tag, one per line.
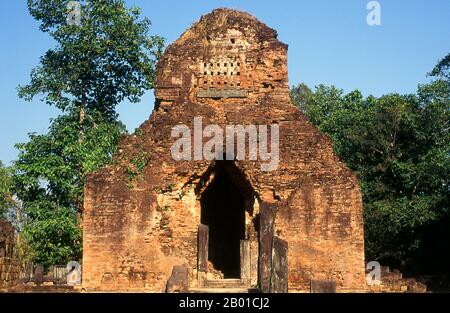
<point x="9" y="272"/>
<point x="9" y="266"/>
<point x="142" y="212"/>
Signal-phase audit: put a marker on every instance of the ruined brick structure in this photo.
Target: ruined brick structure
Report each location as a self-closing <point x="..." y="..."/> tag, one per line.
<point x="9" y="265"/>
<point x="224" y="223"/>
<point x="393" y="281"/>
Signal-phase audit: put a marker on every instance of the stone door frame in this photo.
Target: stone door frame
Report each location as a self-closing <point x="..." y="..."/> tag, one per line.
<point x="250" y="245"/>
<point x="202" y="257"/>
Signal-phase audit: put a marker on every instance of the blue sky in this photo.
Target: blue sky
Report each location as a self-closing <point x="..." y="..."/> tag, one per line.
<point x="329" y="42"/>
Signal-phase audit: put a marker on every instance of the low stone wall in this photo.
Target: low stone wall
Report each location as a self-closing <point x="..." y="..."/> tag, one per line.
<point x="9" y="272"/>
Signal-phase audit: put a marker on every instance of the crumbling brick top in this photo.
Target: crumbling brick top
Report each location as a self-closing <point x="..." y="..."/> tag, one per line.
<point x="227" y="55"/>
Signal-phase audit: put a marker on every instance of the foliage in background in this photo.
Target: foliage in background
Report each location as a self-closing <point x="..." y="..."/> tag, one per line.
<point x="93" y="67"/>
<point x="6" y="194"/>
<point x="399" y="147"/>
<point x="50" y="185"/>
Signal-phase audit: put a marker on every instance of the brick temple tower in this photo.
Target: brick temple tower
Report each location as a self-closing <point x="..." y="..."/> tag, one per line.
<point x="154" y="223"/>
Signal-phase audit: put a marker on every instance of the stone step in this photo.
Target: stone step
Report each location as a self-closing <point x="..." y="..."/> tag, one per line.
<point x="223" y="283"/>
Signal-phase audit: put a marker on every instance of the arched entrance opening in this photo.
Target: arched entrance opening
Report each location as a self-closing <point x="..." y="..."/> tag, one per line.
<point x="224" y="202"/>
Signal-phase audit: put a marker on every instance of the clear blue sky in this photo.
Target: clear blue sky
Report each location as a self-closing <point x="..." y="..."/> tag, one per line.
<point x="329" y="42"/>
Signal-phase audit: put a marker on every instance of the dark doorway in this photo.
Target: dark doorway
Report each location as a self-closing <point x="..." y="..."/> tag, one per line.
<point x="223" y="210"/>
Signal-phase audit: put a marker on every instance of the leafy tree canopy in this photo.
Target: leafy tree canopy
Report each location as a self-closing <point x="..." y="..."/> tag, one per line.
<point x="6" y="195"/>
<point x="107" y="58"/>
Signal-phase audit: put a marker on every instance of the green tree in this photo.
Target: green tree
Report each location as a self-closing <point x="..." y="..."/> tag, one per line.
<point x="10" y="207"/>
<point x="94" y="66"/>
<point x="6" y="195"/>
<point x="442" y="69"/>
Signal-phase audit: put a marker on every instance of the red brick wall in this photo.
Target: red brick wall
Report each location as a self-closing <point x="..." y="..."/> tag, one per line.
<point x="139" y="224"/>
